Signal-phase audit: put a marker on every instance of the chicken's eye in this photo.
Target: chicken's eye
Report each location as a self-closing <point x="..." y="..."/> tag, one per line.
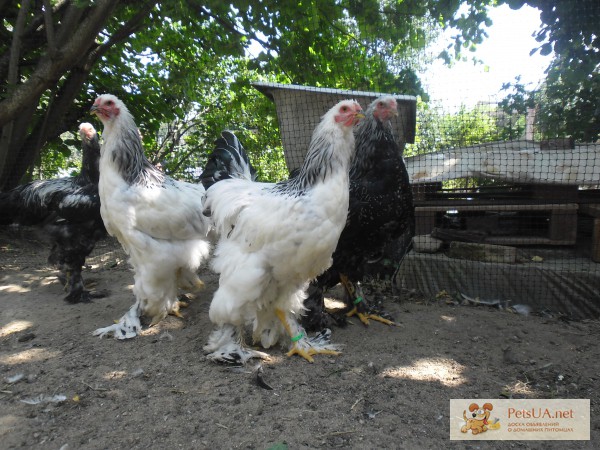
<point x="109" y="103"/>
<point x="344" y="108"/>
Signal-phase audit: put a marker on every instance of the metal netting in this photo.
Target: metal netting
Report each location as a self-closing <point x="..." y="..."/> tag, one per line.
<point x="506" y="189"/>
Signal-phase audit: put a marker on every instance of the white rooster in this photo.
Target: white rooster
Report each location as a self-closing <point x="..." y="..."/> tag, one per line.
<point x="274" y="239"/>
<point x="157" y="220"/>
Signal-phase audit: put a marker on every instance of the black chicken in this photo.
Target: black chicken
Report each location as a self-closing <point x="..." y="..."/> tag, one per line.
<point x="380" y="217"/>
<point x="68" y="211"/>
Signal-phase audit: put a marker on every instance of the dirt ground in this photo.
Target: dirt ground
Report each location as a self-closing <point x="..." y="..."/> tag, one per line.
<point x="62" y="388"/>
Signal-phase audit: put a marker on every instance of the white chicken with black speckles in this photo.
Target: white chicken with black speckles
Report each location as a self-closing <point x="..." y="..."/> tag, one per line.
<point x="275" y="238"/>
<point x="157" y="220"/>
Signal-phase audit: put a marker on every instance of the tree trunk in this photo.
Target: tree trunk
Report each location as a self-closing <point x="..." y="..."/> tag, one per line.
<point x="64" y="68"/>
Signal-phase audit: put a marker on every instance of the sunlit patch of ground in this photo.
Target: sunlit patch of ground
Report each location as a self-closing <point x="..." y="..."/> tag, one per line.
<point x="445" y="371"/>
<point x="30" y="355"/>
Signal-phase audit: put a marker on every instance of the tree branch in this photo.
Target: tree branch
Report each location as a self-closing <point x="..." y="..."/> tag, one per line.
<point x="31" y="35"/>
<point x="56" y="118"/>
<point x="50" y="70"/>
<point x="13" y="75"/>
<point x="49" y="28"/>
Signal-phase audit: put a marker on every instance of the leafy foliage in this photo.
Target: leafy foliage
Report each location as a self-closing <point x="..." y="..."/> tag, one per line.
<point x="184" y="68"/>
<point x="567" y="103"/>
<point x="438" y="130"/>
<point x="174" y="61"/>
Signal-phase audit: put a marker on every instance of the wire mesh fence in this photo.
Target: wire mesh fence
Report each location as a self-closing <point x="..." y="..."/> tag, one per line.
<point x="506" y="191"/>
<point x="498" y="222"/>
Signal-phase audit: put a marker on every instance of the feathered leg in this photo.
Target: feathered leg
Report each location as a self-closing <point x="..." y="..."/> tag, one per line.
<point x="75" y="287"/>
<point x="316" y="316"/>
<point x="189" y="281"/>
<point x="360" y="308"/>
<point x="226" y="345"/>
<point x="127" y="327"/>
<point x="68" y="254"/>
<point x="301" y="344"/>
<point x="56" y="259"/>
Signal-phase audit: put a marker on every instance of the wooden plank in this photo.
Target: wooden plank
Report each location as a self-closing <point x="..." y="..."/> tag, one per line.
<point x="424" y="221"/>
<point x="483" y="252"/>
<point x="572" y="207"/>
<point x="556" y="193"/>
<point x="593" y="209"/>
<point x="420" y="191"/>
<point x="526" y="240"/>
<point x="596" y="241"/>
<point x="562" y="228"/>
<point x="563" y="225"/>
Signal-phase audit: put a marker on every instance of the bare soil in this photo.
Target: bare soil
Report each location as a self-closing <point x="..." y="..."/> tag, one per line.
<point x="62" y="388"/>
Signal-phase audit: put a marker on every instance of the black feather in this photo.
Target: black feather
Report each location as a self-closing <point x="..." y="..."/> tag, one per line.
<point x="228" y="160"/>
<point x="380" y="213"/>
<point x="68" y="211"/>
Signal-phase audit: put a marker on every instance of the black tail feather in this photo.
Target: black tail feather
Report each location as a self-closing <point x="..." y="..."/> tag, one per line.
<point x="10" y="206"/>
<point x="228" y="160"/>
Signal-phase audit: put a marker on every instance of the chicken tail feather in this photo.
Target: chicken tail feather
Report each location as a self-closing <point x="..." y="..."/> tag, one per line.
<point x="228" y="160"/>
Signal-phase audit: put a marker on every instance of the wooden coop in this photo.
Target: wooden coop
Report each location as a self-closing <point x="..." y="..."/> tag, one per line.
<point x="545" y="186"/>
<point x="299" y="110"/>
<point x="520" y="224"/>
<point x="516" y="241"/>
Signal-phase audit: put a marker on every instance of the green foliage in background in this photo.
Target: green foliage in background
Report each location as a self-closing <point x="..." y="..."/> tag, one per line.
<point x="567" y="103"/>
<point x="184" y="69"/>
<point x="188" y="65"/>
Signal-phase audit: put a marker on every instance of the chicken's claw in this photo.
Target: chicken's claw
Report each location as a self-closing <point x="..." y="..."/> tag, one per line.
<point x="381" y="319"/>
<point x="182" y="304"/>
<point x="176" y="313"/>
<point x="308" y="353"/>
<point x="317" y="345"/>
<point x="365" y="317"/>
<point x="300" y="352"/>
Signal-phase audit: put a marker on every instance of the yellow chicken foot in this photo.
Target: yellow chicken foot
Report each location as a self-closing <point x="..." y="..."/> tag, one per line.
<point x="359" y="305"/>
<point x="295" y="350"/>
<point x="364" y="318"/>
<point x="182" y="304"/>
<point x="281" y="316"/>
<point x="301" y="345"/>
<point x="189" y="280"/>
<point x="179" y="304"/>
<point x="176" y="313"/>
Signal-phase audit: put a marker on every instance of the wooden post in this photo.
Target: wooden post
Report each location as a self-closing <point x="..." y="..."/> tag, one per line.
<point x="596" y="241"/>
<point x="563" y="225"/>
<point x="594" y="211"/>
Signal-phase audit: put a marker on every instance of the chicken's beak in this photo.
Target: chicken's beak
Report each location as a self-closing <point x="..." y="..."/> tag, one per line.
<point x="93" y="109"/>
<point x="358" y="117"/>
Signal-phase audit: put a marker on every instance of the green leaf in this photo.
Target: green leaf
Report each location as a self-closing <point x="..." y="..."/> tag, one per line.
<point x="546" y="49"/>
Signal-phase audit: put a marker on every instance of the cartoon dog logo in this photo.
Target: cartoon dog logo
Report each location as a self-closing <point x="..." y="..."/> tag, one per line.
<point x="479" y="420"/>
